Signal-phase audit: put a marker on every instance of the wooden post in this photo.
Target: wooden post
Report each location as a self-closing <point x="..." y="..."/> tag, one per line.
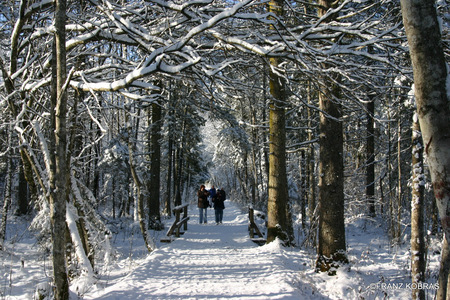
<point x="185" y="216"/>
<point x="252" y="220"/>
<point x="175" y="228"/>
<point x="254" y="229"/>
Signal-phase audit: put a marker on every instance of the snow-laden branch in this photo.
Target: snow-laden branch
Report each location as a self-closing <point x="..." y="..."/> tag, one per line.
<point x="103" y="130"/>
<point x="44" y="145"/>
<point x="85" y="264"/>
<point x="212" y="70"/>
<point x="138" y="35"/>
<point x="208" y="24"/>
<point x="180" y="7"/>
<point x="40" y="174"/>
<point x="246" y="46"/>
<point x="37" y="6"/>
<point x="133" y="76"/>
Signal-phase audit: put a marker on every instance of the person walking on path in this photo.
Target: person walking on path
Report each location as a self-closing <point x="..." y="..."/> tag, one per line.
<point x="219" y="205"/>
<point x="212" y="194"/>
<point x="203" y="204"/>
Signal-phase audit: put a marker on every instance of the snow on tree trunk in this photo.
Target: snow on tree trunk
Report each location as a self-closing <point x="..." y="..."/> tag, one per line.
<point x="140" y="193"/>
<point x="430" y="82"/>
<point x="81" y="223"/>
<point x="418" y="264"/>
<point x="7" y="193"/>
<point x="86" y="267"/>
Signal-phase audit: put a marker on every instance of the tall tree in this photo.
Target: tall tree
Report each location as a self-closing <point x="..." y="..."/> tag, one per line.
<point x="311" y="163"/>
<point x="155" y="168"/>
<point x="139" y="185"/>
<point x="430" y="76"/>
<point x="370" y="152"/>
<point x="331" y="237"/>
<point x="8" y="187"/>
<point x="278" y="224"/>
<point x="60" y="173"/>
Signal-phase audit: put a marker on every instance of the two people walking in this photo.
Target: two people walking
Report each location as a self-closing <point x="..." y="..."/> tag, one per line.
<point x="218" y="198"/>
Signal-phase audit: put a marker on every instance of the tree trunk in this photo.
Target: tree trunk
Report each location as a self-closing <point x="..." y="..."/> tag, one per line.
<point x="10" y="89"/>
<point x="177" y="175"/>
<point x="418" y="263"/>
<point x="311" y="176"/>
<point x="155" y="169"/>
<point x="6" y="204"/>
<point x="179" y="164"/>
<point x="255" y="140"/>
<point x="168" y="196"/>
<point x="265" y="134"/>
<point x="443" y="291"/>
<point x="430" y="76"/>
<point x="139" y="191"/>
<point x="22" y="193"/>
<point x="279" y="225"/>
<point x="7" y="193"/>
<point x="332" y="248"/>
<point x="390" y="192"/>
<point x="398" y="230"/>
<point x="59" y="175"/>
<point x="302" y="194"/>
<point x="370" y="162"/>
<point x="278" y="194"/>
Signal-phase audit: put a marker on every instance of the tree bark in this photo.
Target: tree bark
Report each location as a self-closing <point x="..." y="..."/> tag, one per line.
<point x="418" y="263"/>
<point x="22" y="193"/>
<point x="430" y="76"/>
<point x="332" y="247"/>
<point x="6" y="204"/>
<point x="398" y="230"/>
<point x="254" y="168"/>
<point x="279" y="225"/>
<point x="370" y="162"/>
<point x="140" y="193"/>
<point x="169" y="115"/>
<point x="311" y="164"/>
<point x="168" y="196"/>
<point x="331" y="240"/>
<point x="59" y="175"/>
<point x="7" y="193"/>
<point x="155" y="169"/>
<point x="180" y="163"/>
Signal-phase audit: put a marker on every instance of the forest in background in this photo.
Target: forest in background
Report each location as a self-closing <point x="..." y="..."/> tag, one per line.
<point x="312" y="101"/>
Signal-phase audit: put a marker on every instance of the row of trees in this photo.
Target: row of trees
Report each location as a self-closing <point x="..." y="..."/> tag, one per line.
<point x="103" y="102"/>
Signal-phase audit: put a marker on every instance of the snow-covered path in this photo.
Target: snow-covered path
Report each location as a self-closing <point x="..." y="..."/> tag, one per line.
<point x="211" y="262"/>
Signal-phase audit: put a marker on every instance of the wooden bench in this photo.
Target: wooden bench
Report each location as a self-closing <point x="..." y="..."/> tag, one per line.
<point x="179" y="221"/>
<point x="254" y="229"/>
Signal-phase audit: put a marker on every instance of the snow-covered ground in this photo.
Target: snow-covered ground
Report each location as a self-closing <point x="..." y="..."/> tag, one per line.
<point x="220" y="262"/>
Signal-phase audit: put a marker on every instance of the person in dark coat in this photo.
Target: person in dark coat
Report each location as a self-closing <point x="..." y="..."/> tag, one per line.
<point x="219" y="205"/>
<point x="203" y="204"/>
